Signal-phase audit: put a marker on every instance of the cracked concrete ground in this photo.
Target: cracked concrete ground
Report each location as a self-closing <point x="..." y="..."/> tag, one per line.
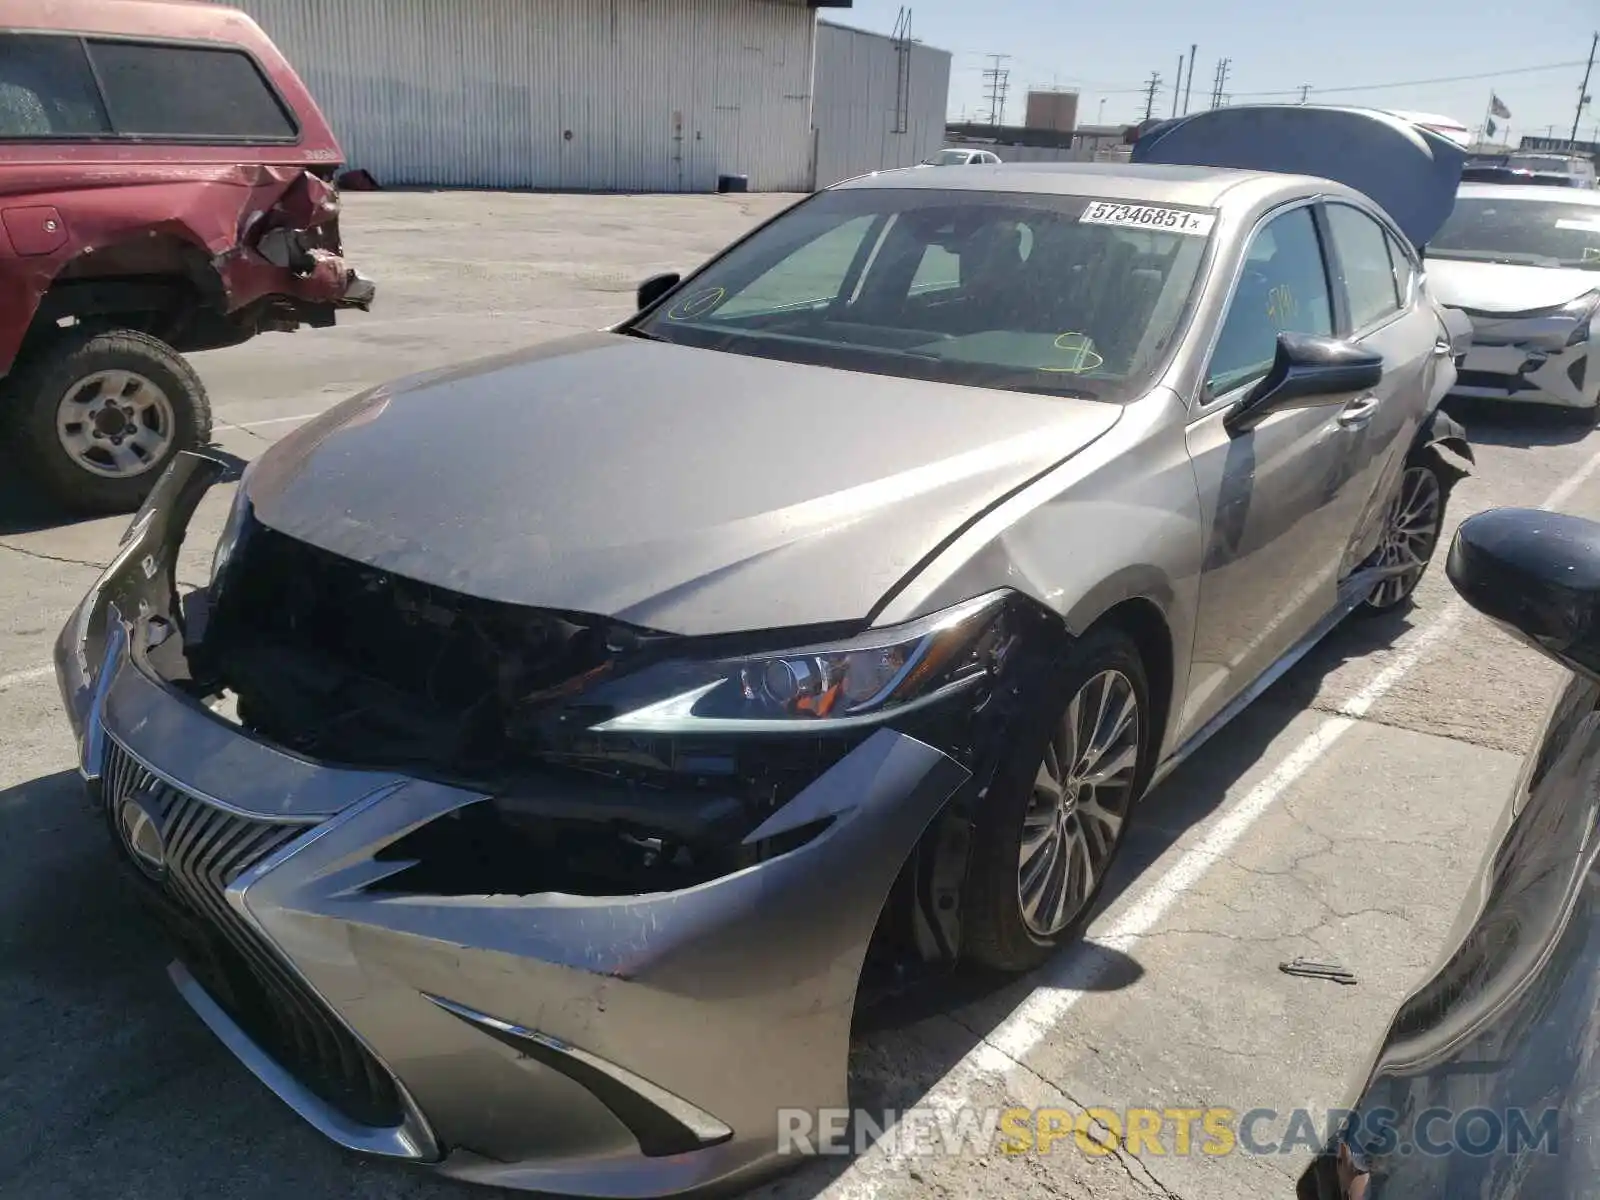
<point x="109" y="1088"/>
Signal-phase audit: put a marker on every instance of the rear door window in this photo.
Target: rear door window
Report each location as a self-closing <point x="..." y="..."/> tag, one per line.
<point x="1404" y="272"/>
<point x="155" y="90"/>
<point x="46" y="89"/>
<point x="1366" y="270"/>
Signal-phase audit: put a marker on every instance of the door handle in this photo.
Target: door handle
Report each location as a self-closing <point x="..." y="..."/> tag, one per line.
<point x="1443" y="349"/>
<point x="1358" y="412"/>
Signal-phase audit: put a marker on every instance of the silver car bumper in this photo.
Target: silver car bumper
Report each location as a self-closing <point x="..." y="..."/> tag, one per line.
<point x="634" y="1045"/>
<point x="1530" y="359"/>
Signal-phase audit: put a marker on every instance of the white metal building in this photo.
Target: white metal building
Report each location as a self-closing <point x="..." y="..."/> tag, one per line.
<point x="601" y="95"/>
<point x="879" y="102"/>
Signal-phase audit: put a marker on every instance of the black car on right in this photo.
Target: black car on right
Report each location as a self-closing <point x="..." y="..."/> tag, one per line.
<point x="1487" y="1082"/>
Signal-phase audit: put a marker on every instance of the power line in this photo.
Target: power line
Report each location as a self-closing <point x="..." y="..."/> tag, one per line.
<point x="1224" y="67"/>
<point x="1373" y="87"/>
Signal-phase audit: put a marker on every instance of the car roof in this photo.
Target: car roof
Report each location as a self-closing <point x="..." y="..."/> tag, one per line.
<point x="1199" y="187"/>
<point x="1528" y="191"/>
<point x="134" y="18"/>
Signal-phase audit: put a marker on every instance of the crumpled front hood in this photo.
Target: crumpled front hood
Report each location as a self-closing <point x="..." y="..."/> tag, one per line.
<point x="1505" y="287"/>
<point x="684" y="490"/>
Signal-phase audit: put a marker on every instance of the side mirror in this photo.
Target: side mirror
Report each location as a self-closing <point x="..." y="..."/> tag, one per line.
<point x="1307" y="372"/>
<point x="655" y="287"/>
<point x="1536" y="574"/>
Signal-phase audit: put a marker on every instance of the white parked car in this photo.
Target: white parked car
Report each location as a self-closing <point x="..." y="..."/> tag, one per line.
<point x="960" y="158"/>
<point x="1523" y="262"/>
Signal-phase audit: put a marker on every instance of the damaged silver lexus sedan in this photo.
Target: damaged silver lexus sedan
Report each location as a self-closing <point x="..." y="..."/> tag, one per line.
<point x="539" y="806"/>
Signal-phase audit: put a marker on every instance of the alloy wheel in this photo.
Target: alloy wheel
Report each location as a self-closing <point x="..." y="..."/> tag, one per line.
<point x="1082" y="792"/>
<point x="116" y="424"/>
<point x="1410" y="533"/>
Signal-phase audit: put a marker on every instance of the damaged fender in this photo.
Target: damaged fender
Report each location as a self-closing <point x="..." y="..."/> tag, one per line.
<point x="298" y="233"/>
<point x="253" y="235"/>
<point x="1447" y="439"/>
<point x="139" y="584"/>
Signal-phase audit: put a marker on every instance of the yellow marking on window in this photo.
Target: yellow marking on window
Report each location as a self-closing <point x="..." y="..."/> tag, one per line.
<point x="1281" y="305"/>
<point x="1084" y="358"/>
<point x="697" y="305"/>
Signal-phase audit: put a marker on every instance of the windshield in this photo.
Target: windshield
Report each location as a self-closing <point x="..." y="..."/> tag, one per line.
<point x="1064" y="295"/>
<point x="1542" y="233"/>
<point x="948" y="158"/>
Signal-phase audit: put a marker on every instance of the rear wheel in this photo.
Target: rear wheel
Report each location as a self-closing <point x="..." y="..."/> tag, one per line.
<point x="1055" y="817"/>
<point x="99" y="415"/>
<point x="1411" y="529"/>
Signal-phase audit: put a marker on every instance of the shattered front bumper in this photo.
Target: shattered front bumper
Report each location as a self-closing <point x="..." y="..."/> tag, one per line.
<point x="1537" y="359"/>
<point x="615" y="1046"/>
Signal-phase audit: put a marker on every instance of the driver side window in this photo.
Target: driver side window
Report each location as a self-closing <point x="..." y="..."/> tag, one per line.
<point x="809" y="276"/>
<point x="1282" y="289"/>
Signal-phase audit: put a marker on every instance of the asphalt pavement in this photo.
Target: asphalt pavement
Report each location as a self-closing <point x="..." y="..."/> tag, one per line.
<point x="1339" y="819"/>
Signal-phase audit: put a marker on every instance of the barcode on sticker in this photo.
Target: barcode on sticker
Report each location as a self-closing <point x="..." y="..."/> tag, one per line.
<point x="1145" y="216"/>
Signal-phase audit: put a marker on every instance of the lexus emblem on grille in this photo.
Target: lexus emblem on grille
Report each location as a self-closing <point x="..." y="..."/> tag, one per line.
<point x="139" y="824"/>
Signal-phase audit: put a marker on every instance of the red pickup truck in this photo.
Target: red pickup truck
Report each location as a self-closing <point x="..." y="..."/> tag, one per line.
<point x="166" y="186"/>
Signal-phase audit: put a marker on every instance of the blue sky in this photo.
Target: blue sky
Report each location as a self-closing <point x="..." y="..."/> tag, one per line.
<point x="1108" y="50"/>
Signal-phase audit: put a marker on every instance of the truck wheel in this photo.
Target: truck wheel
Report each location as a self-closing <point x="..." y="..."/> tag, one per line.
<point x="100" y="414"/>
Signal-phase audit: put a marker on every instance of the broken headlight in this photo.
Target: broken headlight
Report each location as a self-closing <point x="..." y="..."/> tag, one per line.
<point x="1581" y="310"/>
<point x="851" y="682"/>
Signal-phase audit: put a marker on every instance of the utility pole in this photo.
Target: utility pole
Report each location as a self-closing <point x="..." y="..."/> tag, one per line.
<point x="1150" y="94"/>
<point x="1583" y="92"/>
<point x="995" y="79"/>
<point x="1179" y="79"/>
<point x="1221" y="79"/>
<point x="1304" y="88"/>
<point x="1189" y="84"/>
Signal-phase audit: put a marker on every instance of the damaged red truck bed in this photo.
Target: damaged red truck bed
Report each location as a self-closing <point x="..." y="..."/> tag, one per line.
<point x="166" y="186"/>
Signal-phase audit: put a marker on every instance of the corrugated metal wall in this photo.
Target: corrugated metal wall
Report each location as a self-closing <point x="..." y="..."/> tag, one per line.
<point x="855" y="106"/>
<point x="627" y="95"/>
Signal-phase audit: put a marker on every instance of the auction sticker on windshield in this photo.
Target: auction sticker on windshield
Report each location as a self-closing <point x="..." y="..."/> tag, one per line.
<point x="1146" y="216"/>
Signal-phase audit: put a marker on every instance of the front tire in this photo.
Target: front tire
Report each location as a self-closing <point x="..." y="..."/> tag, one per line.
<point x="100" y="414"/>
<point x="1057" y="812"/>
<point x="1411" y="529"/>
